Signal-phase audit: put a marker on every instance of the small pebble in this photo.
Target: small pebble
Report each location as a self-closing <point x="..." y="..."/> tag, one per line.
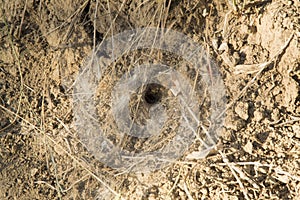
<point x="242" y="110"/>
<point x="258" y="115"/>
<point x="248" y="147"/>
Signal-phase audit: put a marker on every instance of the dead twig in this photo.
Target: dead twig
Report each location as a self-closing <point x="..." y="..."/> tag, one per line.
<point x="233" y="170"/>
<point x="22" y="19"/>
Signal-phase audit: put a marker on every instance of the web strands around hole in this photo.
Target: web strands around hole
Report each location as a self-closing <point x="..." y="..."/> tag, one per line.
<point x="108" y="52"/>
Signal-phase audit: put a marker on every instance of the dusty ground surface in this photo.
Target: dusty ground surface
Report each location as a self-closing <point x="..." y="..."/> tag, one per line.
<point x="256" y="45"/>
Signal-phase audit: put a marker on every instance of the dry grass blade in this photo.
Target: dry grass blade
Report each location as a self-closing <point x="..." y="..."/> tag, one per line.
<point x="260" y="69"/>
<point x="59" y="147"/>
<point x="71" y="21"/>
<point x="252" y="68"/>
<point x="17" y="58"/>
<point x="233" y="170"/>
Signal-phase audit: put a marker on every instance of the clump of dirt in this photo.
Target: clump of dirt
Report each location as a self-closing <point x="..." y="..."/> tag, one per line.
<point x="256" y="45"/>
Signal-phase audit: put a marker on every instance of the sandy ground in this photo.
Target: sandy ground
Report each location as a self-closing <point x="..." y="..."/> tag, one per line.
<point x="256" y="46"/>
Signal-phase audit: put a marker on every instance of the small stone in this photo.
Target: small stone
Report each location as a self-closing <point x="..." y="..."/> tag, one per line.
<point x="223" y="47"/>
<point x="33" y="171"/>
<point x="275" y="115"/>
<point x="204" y="13"/>
<point x="242" y="110"/>
<point x="296" y="129"/>
<point x="248" y="147"/>
<point x="236" y="57"/>
<point x="258" y="115"/>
